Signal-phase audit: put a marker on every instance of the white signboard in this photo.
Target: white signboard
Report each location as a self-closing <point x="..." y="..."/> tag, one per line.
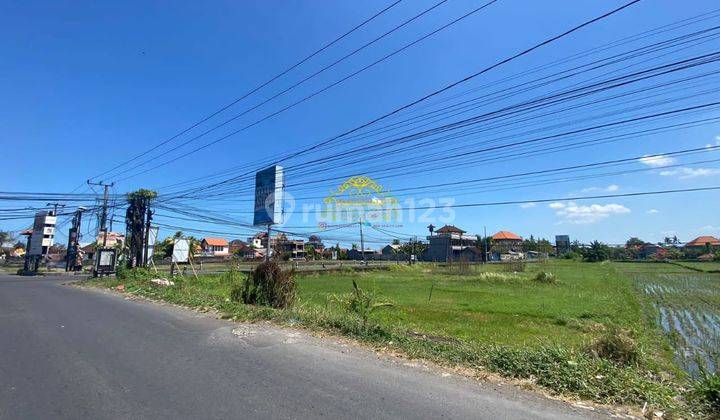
<point x="43" y="233"/>
<point x="181" y="250"/>
<point x="268" y="196"/>
<point x="152" y="240"/>
<point x="107" y="257"/>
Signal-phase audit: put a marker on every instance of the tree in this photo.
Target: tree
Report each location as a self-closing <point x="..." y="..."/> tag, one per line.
<point x="311" y="252"/>
<point x="6" y="237"/>
<point x="136" y="223"/>
<point x="597" y="252"/>
<point x="634" y="242"/>
<point x="396" y="241"/>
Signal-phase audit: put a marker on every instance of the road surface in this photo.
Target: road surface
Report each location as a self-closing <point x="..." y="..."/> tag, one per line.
<point x="68" y="352"/>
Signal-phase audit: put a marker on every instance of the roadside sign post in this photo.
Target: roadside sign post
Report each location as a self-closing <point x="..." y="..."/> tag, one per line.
<point x="41" y="239"/>
<point x="268" y="200"/>
<point x="181" y="253"/>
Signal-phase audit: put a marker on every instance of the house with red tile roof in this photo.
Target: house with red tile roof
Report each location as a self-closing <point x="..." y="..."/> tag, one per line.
<point x="505" y="241"/>
<point x="216" y="247"/>
<point x="701" y="242"/>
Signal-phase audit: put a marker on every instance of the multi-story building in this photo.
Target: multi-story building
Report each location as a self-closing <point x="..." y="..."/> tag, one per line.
<point x="448" y="243"/>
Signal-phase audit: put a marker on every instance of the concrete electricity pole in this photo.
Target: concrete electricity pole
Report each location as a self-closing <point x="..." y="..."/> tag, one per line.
<point x="362" y="242"/>
<point x="74" y="238"/>
<point x="103" y="217"/>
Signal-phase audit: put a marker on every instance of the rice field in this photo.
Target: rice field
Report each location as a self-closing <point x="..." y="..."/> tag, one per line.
<point x="686" y="306"/>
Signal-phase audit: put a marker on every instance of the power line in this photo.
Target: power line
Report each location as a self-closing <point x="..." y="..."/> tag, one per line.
<point x="252" y="91"/>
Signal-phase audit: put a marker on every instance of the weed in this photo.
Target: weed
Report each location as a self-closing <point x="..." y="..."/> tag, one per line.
<point x="617" y="346"/>
<point x="269" y="285"/>
<point x="361" y="303"/>
<point x="705" y="392"/>
<point x="545" y="277"/>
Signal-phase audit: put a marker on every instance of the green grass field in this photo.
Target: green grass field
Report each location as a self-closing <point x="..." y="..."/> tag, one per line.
<point x="502" y="308"/>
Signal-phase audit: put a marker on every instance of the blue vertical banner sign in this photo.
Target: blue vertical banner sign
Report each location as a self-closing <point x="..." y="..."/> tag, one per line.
<point x="268" y="196"/>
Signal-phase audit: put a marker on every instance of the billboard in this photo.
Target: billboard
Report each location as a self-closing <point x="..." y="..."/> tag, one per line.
<point x="152" y="240"/>
<point x="42" y="234"/>
<point x="268" y="196"/>
<point x="106" y="260"/>
<point x="181" y="250"/>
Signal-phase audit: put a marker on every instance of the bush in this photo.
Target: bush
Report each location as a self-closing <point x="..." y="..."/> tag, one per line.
<point x="705" y="393"/>
<point x="545" y="277"/>
<point x="361" y="303"/>
<point x="236" y="292"/>
<point x="269" y="285"/>
<point x="617" y="346"/>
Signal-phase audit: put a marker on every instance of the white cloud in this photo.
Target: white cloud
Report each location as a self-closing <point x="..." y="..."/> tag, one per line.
<point x="609" y="188"/>
<point x="653" y="211"/>
<point x="527" y="205"/>
<point x="656" y="160"/>
<point x="685" y="173"/>
<point x="556" y="205"/>
<point x="581" y="214"/>
<point x="717" y="143"/>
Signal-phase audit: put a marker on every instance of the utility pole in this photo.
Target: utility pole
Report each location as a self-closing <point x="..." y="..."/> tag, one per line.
<point x="55" y="207"/>
<point x="147" y="236"/>
<point x="267" y="247"/>
<point x="485" y="240"/>
<point x="103" y="217"/>
<point x="362" y="242"/>
<point x="74" y="238"/>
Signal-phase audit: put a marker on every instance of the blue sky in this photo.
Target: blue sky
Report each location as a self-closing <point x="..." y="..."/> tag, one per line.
<point x="87" y="85"/>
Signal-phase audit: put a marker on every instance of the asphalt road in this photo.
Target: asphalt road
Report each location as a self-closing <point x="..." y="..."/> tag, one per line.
<point x="68" y="352"/>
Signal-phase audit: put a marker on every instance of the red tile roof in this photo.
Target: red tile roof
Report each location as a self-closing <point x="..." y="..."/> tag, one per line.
<point x="505" y="235"/>
<point x="216" y="241"/>
<point x="449" y="229"/>
<point x="702" y="240"/>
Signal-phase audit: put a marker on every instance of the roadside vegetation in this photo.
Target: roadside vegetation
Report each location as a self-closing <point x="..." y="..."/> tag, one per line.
<point x="581" y="330"/>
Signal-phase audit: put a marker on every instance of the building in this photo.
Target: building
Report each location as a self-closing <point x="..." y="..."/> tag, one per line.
<point x="215" y="247"/>
<point x="356" y="254"/>
<point x="294" y="249"/>
<point x="393" y="252"/>
<point x="702" y="242"/>
<point x="447" y="244"/>
<point x="259" y="240"/>
<point x="236" y="246"/>
<point x="251" y="254"/>
<point x="315" y="242"/>
<point x="507" y="239"/>
<point x="113" y="239"/>
<point x="471" y="254"/>
<point x="562" y="244"/>
<point x="652" y="251"/>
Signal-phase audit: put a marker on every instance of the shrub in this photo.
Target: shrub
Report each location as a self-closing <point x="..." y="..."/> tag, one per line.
<point x="236" y="292"/>
<point x="361" y="303"/>
<point x="233" y="277"/>
<point x="400" y="267"/>
<point x="498" y="277"/>
<point x="705" y="392"/>
<point x="545" y="277"/>
<point x="269" y="285"/>
<point x="617" y="346"/>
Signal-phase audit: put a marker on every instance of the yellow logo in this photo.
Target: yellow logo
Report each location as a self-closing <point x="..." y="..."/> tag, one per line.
<point x="361" y="198"/>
